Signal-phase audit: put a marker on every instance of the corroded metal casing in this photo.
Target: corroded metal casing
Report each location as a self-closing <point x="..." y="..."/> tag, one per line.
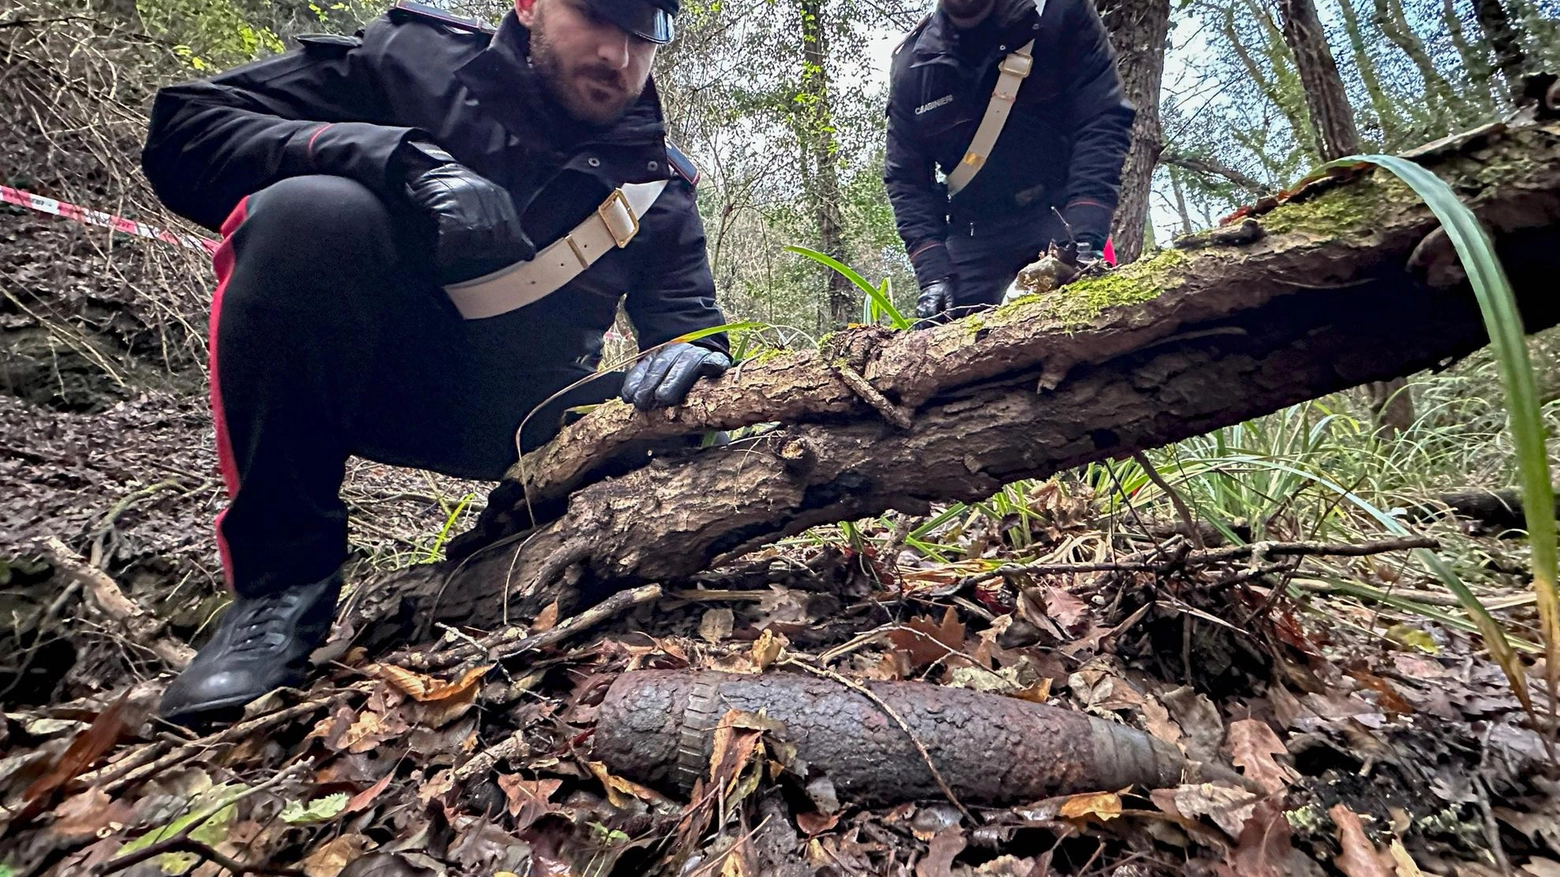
<point x="656" y="727"/>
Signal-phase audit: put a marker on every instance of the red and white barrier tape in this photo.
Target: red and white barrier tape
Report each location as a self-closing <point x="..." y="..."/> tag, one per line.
<point x="80" y="214"/>
<point x="41" y="204"/>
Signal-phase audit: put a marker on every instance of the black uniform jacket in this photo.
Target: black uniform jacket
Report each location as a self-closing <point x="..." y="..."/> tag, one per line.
<point x="1062" y="147"/>
<point x="345" y="105"/>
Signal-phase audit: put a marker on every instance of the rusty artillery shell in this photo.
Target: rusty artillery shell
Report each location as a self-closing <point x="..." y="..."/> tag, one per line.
<point x="656" y="727"/>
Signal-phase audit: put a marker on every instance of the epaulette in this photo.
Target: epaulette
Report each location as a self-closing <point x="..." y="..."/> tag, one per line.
<point x="405" y="10"/>
<point x="682" y="165"/>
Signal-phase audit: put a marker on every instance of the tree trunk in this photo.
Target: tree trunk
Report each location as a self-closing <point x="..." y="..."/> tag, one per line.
<point x="1333" y="120"/>
<point x="1446" y="108"/>
<point x="1180" y="200"/>
<point x="1138" y="29"/>
<point x="1331" y="116"/>
<point x="1232" y="326"/>
<point x="1388" y="119"/>
<point x="1270" y="86"/>
<point x="1506" y="42"/>
<point x="822" y="151"/>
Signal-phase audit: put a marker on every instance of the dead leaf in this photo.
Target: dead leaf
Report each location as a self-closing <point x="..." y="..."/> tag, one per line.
<point x="331" y="858"/>
<point x="426" y="688"/>
<point x="546" y="619"/>
<point x="528" y="799"/>
<point x="1104" y="805"/>
<point x="767" y="648"/>
<point x="1040" y="692"/>
<point x="86" y="748"/>
<point x="1359" y="857"/>
<point x="440" y="785"/>
<point x="816" y="823"/>
<point x="84" y="817"/>
<point x="1252" y="747"/>
<point x="926" y="642"/>
<point x="621" y="793"/>
<point x="1229" y="807"/>
<point x="1264" y="846"/>
<point x="366" y="797"/>
<point x="715" y="626"/>
<point x="1068" y="611"/>
<point x="940" y="853"/>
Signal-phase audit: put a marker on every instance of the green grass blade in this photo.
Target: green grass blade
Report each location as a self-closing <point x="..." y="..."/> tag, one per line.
<point x="1503" y="321"/>
<point x="879" y="299"/>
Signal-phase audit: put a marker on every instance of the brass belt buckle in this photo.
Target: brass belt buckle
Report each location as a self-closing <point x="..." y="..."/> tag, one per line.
<point x="604" y="212"/>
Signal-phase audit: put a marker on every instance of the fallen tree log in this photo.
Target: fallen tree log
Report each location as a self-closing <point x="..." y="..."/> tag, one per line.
<point x="658" y="727"/>
<point x="1312" y="297"/>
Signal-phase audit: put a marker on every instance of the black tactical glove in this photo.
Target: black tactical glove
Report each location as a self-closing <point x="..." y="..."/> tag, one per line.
<point x="475" y="228"/>
<point x="933" y="304"/>
<point x="664" y="378"/>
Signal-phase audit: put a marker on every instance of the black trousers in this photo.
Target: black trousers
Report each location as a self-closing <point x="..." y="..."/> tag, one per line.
<point x="327" y="342"/>
<point x="987" y="254"/>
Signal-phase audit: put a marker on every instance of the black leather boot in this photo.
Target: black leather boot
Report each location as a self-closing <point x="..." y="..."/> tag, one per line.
<point x="261" y="644"/>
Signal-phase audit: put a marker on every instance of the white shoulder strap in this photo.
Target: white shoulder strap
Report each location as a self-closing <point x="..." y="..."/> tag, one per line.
<point x="612" y="226"/>
<point x="1013" y="70"/>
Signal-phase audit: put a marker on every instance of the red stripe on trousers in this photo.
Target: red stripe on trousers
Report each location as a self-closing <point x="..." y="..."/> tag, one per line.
<point x="222" y="262"/>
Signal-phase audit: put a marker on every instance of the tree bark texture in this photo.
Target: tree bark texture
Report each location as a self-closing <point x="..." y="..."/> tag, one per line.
<point x="657" y="727"/>
<point x="1138" y="29"/>
<point x="1226" y="328"/>
<point x="1331" y="116"/>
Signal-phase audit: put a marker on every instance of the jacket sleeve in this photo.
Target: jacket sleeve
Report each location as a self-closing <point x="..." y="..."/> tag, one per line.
<point x="676" y="294"/>
<point x="312" y="110"/>
<point x="920" y="202"/>
<point x="1101" y="121"/>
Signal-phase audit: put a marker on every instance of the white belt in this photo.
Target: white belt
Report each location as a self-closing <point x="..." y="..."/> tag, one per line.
<point x="1014" y="69"/>
<point x="612" y="226"/>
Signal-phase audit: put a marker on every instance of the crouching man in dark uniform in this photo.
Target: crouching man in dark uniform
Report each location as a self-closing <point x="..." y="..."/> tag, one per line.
<point x="1019" y="103"/>
<point x="426" y="231"/>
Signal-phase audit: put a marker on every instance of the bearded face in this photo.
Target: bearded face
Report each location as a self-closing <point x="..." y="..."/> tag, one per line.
<point x="591" y="67"/>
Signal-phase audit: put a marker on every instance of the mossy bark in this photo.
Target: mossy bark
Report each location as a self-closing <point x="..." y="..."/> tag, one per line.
<point x="1174" y="346"/>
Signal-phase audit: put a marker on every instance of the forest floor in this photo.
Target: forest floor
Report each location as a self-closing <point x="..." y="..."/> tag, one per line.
<point x="1381" y="744"/>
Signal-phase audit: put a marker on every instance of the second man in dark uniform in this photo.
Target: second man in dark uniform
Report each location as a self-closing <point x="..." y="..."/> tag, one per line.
<point x="1051" y="172"/>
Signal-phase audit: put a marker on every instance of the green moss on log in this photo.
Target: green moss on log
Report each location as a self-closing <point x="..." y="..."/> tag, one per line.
<point x="1358" y="205"/>
<point x="1079" y="304"/>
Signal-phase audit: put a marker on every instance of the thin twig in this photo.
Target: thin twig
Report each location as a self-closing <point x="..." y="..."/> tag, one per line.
<point x="1140" y="562"/>
<point x="499" y="646"/>
<point x="138" y="625"/>
<point x="1175" y="498"/>
<point x="898" y="720"/>
<point x="898" y="415"/>
<point x="116" y="781"/>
